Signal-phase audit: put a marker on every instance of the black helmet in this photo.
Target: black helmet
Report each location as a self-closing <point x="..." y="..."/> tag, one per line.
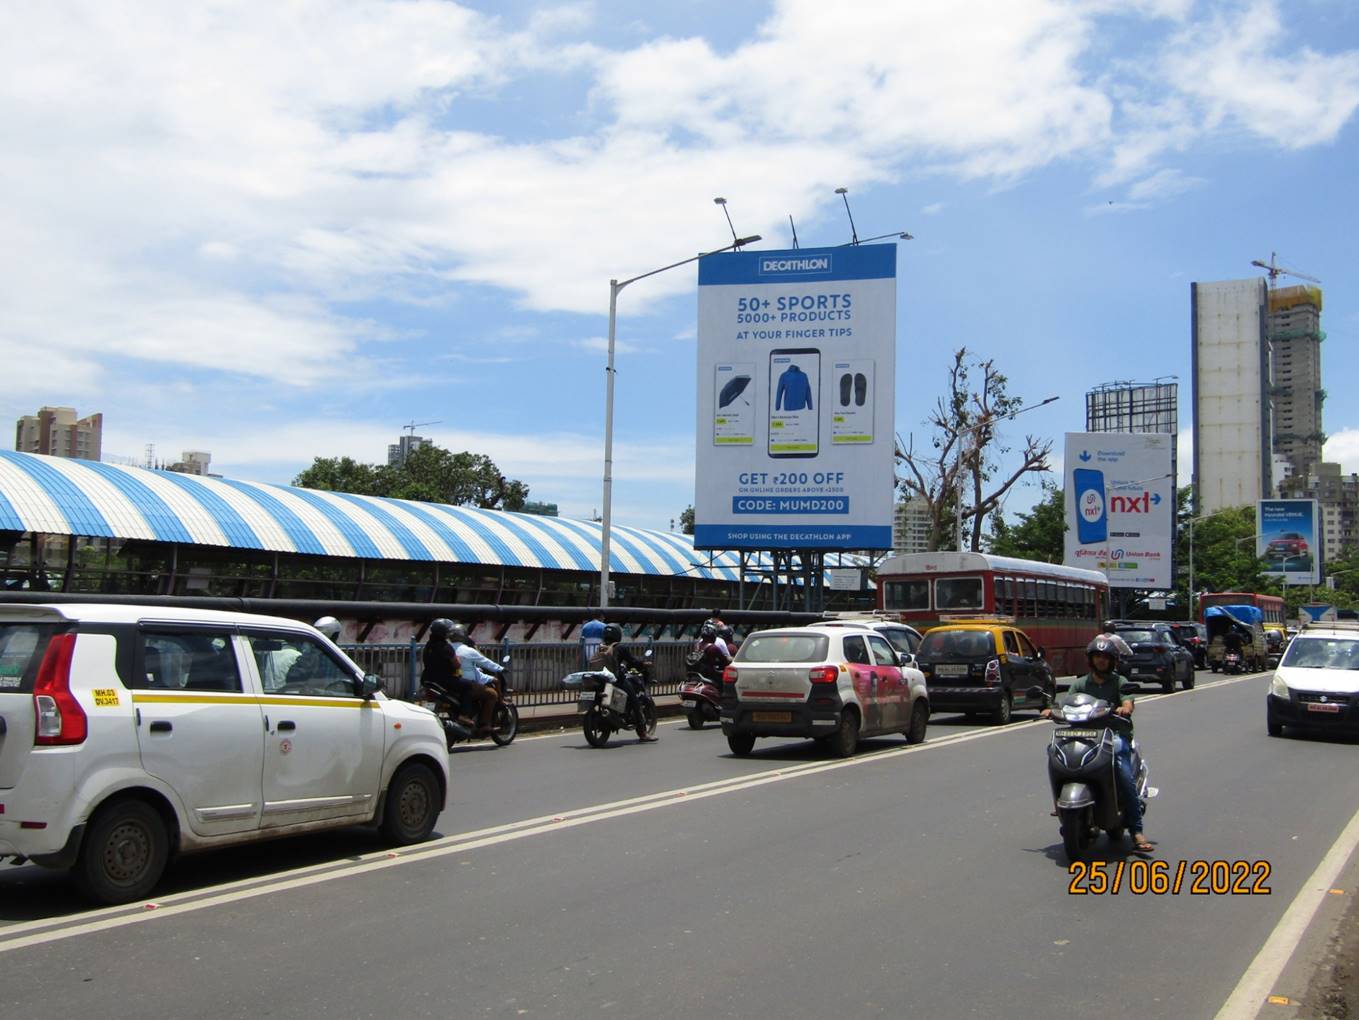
<point x="458" y="636"/>
<point x="612" y="634"/>
<point x="707" y="632"/>
<point x="1101" y="644"/>
<point x="440" y="628"/>
<point x="727" y="634"/>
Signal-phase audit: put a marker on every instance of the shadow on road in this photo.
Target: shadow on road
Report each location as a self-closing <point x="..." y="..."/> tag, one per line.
<point x="30" y="893"/>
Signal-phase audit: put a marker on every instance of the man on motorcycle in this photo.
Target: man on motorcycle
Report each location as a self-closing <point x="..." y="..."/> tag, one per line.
<point x="618" y="660"/>
<point x="451" y="663"/>
<point x="709" y="655"/>
<point x="1104" y="682"/>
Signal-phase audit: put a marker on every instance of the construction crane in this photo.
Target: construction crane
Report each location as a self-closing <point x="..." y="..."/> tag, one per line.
<point x="1275" y="271"/>
<point x="413" y="425"/>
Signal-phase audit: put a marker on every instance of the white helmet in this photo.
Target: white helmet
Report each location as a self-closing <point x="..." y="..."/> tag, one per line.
<point x="329" y="626"/>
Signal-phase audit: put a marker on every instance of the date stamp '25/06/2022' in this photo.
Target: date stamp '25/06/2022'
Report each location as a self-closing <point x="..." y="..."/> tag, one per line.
<point x="1169" y="878"/>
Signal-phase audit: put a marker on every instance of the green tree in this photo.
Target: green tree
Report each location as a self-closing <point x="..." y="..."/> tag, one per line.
<point x="686" y="519"/>
<point x="1040" y="533"/>
<point x="344" y="474"/>
<point x="431" y="474"/>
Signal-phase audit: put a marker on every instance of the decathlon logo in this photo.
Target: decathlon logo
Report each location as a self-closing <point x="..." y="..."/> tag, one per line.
<point x="783" y="265"/>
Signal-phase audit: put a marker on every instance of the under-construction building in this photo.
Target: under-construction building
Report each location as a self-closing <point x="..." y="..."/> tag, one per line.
<point x="1294" y="331"/>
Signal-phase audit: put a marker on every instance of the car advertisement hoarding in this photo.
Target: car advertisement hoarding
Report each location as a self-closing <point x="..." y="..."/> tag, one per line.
<point x="1120" y="506"/>
<point x="796" y="409"/>
<point x="1286" y="536"/>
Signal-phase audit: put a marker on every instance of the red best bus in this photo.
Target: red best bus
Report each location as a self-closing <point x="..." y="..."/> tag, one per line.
<point x="1272" y="606"/>
<point x="1059" y="608"/>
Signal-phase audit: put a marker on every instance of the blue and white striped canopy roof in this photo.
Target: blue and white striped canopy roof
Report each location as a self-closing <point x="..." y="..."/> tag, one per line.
<point x="80" y="497"/>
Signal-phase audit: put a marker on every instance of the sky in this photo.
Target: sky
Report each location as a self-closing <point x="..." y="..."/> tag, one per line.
<point x="277" y="231"/>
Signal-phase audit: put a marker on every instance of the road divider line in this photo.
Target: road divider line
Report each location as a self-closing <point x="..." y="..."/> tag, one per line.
<point x="32" y="933"/>
<point x="1249" y="996"/>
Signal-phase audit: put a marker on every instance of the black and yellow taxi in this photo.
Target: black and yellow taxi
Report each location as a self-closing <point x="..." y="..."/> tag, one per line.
<point x="982" y="665"/>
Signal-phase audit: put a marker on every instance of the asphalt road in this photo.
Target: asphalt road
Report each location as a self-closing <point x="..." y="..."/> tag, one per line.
<point x="672" y="879"/>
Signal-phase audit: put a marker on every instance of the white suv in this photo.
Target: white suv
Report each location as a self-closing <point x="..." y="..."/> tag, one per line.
<point x="129" y="734"/>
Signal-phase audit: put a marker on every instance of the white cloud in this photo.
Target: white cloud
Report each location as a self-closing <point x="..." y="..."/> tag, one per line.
<point x="1343" y="448"/>
<point x="1235" y="66"/>
<point x="207" y="185"/>
<point x="933" y="209"/>
<point x="600" y="345"/>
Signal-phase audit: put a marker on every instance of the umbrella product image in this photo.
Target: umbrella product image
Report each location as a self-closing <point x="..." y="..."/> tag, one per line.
<point x="733" y="389"/>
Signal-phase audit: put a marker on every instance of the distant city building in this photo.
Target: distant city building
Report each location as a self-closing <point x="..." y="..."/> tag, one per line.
<point x="1338" y="497"/>
<point x="911" y="527"/>
<point x="192" y="462"/>
<point x="57" y="432"/>
<point x="533" y="506"/>
<point x="398" y="452"/>
<point x="1233" y="461"/>
<point x="1294" y="330"/>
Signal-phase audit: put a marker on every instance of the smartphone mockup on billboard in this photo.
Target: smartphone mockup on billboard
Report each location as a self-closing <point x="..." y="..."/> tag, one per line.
<point x="795" y="402"/>
<point x="851" y="398"/>
<point x="733" y="403"/>
<point x="1092" y="525"/>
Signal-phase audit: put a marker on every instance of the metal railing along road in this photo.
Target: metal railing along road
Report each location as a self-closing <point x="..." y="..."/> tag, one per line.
<point x="536" y="668"/>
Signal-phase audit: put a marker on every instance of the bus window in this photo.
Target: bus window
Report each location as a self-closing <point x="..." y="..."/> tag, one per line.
<point x="906" y="595"/>
<point x="998" y="595"/>
<point x="1029" y="603"/>
<point x="958" y="593"/>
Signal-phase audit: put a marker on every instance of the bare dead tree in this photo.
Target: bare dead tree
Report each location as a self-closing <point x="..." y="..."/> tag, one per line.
<point x="966" y="450"/>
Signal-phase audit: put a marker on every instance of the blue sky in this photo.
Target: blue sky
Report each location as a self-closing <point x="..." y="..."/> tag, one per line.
<point x="281" y="231"/>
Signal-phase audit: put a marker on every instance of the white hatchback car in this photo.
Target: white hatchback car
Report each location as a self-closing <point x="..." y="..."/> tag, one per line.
<point x="1316" y="684"/>
<point x="129" y="734"/>
<point x="832" y="682"/>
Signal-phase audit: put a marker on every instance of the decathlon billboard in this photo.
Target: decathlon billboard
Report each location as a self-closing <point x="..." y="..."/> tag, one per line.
<point x="1288" y="539"/>
<point x="1120" y="506"/>
<point x="796" y="409"/>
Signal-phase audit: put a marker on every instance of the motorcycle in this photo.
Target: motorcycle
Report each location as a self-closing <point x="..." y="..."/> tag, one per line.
<point x="1081" y="764"/>
<point x="459" y="718"/>
<point x="1231" y="663"/>
<point x="603" y="703"/>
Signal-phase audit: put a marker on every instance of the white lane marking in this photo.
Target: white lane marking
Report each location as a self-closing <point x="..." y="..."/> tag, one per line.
<point x="1257" y="982"/>
<point x="39" y="932"/>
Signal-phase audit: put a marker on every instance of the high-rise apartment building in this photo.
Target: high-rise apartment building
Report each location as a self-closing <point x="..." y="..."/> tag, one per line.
<point x="1294" y="331"/>
<point x="1233" y="463"/>
<point x="911" y="527"/>
<point x="57" y="432"/>
<point x="398" y="452"/>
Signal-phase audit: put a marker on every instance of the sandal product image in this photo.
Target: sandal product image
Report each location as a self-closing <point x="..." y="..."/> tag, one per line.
<point x="846" y="381"/>
<point x="860" y="389"/>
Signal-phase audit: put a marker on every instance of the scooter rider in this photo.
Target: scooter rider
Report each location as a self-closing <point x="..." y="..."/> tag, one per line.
<point x="711" y="653"/>
<point x="476" y="685"/>
<point x="1104" y="683"/>
<point x="618" y="660"/>
<point x="443" y="665"/>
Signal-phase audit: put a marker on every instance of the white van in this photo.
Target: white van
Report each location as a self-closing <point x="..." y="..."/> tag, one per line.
<point x="129" y="734"/>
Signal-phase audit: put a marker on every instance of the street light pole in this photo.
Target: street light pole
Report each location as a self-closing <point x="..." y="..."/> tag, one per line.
<point x="614" y="287"/>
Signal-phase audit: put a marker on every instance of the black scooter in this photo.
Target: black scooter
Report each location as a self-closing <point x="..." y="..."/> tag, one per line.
<point x="458" y="718"/>
<point x="1081" y="763"/>
<point x="603" y="703"/>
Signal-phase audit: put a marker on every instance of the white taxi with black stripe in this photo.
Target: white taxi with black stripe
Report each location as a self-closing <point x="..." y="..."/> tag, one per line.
<point x="831" y="682"/>
<point x="130" y="734"/>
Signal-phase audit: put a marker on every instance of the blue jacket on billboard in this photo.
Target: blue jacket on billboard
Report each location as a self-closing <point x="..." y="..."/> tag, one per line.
<point x="794" y="392"/>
